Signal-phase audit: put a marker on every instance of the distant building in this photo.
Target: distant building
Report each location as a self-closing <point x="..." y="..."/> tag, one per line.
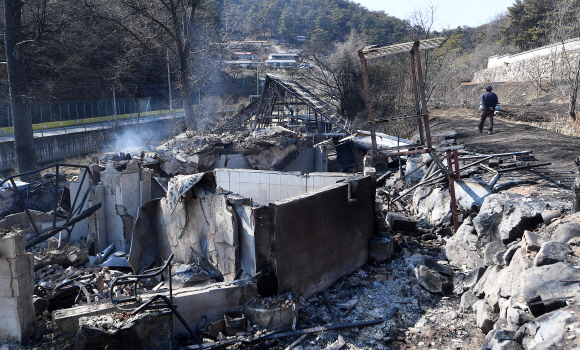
<point x="283" y="56"/>
<point x="281" y="63"/>
<point x="243" y="63"/>
<point x="241" y="55"/>
<point x="300" y="38"/>
<point x="294" y="51"/>
<point x="258" y="43"/>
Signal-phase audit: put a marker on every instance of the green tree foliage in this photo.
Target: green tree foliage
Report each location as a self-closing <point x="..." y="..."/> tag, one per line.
<point x="325" y="21"/>
<point x="527" y="23"/>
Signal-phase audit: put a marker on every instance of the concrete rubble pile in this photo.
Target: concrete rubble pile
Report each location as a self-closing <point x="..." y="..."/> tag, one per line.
<point x="514" y="260"/>
<point x="274" y="148"/>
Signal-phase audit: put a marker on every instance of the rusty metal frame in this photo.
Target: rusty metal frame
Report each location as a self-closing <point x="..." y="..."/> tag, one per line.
<point x="451" y="171"/>
<point x="74" y="215"/>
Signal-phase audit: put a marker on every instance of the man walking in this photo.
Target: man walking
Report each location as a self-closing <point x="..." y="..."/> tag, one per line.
<point x="487" y="107"/>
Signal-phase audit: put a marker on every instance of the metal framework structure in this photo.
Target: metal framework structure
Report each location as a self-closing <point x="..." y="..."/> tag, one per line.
<point x="75" y="213"/>
<point x="452" y="170"/>
<point x="288" y="103"/>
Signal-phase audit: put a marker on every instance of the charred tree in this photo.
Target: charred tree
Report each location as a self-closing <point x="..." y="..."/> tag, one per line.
<point x="19" y="101"/>
<point x="576" y="188"/>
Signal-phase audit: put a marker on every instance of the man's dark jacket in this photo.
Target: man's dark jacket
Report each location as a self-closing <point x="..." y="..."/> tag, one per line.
<point x="488" y="99"/>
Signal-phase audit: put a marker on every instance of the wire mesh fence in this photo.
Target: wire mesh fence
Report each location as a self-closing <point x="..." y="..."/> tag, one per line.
<point x="44" y="112"/>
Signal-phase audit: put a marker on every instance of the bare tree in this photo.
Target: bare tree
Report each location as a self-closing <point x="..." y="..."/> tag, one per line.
<point x="187" y="29"/>
<point x="15" y="37"/>
<point x="565" y="21"/>
<point x="338" y="75"/>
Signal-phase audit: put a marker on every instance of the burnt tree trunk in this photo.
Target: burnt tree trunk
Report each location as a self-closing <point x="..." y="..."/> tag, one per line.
<point x="576" y="188"/>
<point x="19" y="102"/>
<point x="190" y="121"/>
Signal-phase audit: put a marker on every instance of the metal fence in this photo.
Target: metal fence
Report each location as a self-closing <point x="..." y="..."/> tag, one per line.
<point x="44" y="112"/>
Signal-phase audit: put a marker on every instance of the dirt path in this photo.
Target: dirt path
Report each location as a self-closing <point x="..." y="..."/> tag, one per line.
<point x="547" y="146"/>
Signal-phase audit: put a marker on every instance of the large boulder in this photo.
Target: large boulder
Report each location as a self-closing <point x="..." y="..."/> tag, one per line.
<point x="508" y="282"/>
<point x="544" y="283"/>
<point x="485" y="318"/>
<point x="486" y="223"/>
<point x="554" y="330"/>
<point x="490" y="251"/>
<point x="566" y="232"/>
<point x="461" y="249"/>
<point x="552" y="252"/>
<point x="520" y="214"/>
<point x="506" y="216"/>
<point x="433" y="203"/>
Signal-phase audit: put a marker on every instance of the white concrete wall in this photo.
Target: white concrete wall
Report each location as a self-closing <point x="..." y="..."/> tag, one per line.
<point x="264" y="187"/>
<point x="554" y="49"/>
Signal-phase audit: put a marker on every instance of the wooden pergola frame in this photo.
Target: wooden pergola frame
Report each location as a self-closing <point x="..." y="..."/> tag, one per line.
<point x="421" y="112"/>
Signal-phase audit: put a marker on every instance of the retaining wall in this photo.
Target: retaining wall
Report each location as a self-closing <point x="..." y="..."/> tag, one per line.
<point x="51" y="149"/>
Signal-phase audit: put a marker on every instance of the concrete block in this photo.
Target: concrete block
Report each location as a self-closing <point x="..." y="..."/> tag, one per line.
<point x="398" y="222"/>
<point x="532" y="242"/>
<point x="12" y="244"/>
<point x="234" y="176"/>
<point x="192" y="303"/>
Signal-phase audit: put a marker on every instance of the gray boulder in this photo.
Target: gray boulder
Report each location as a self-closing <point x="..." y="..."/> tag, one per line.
<point x="468" y="299"/>
<point x="486" y="223"/>
<point x="566" y="232"/>
<point x="433" y="203"/>
<point x="552" y="252"/>
<point x="432" y="281"/>
<point x="485" y="317"/>
<point x="508" y="282"/>
<point x="520" y="214"/>
<point x="544" y="283"/>
<point x="509" y="253"/>
<point x="554" y="330"/>
<point x="490" y="250"/>
<point x="461" y="248"/>
<point x="473" y="277"/>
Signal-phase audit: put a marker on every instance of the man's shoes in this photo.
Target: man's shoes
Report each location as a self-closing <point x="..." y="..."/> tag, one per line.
<point x="490" y="132"/>
<point x="479" y="130"/>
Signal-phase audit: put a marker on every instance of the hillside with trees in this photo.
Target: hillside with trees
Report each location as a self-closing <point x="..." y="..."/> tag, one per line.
<point x="71" y="50"/>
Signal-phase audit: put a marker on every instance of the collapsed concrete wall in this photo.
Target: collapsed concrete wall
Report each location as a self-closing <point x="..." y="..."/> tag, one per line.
<point x="121" y="194"/>
<point x="264" y="187"/>
<point x="316" y="238"/>
<point x="16" y="287"/>
<point x="324" y="232"/>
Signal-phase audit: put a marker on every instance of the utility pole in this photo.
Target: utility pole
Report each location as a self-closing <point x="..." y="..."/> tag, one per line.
<point x="257" y="78"/>
<point x="114" y="103"/>
<point x="169" y="82"/>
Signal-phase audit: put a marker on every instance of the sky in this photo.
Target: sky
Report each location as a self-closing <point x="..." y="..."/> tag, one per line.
<point x="449" y="13"/>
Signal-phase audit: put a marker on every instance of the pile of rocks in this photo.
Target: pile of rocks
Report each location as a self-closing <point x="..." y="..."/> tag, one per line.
<point x="517" y="267"/>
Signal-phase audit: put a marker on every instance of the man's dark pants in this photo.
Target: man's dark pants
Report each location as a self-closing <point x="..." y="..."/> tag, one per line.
<point x="484" y="115"/>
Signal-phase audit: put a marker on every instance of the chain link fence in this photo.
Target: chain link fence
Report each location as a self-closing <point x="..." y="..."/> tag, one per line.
<point x="44" y="112"/>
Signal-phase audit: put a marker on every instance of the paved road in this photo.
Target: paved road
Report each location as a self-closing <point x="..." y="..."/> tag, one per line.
<point x="91" y="127"/>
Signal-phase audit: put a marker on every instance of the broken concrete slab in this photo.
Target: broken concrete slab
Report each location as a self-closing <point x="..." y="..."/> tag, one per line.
<point x="471" y="193"/>
<point x="307" y="260"/>
<point x="399" y="222"/>
<point x="192" y="302"/>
